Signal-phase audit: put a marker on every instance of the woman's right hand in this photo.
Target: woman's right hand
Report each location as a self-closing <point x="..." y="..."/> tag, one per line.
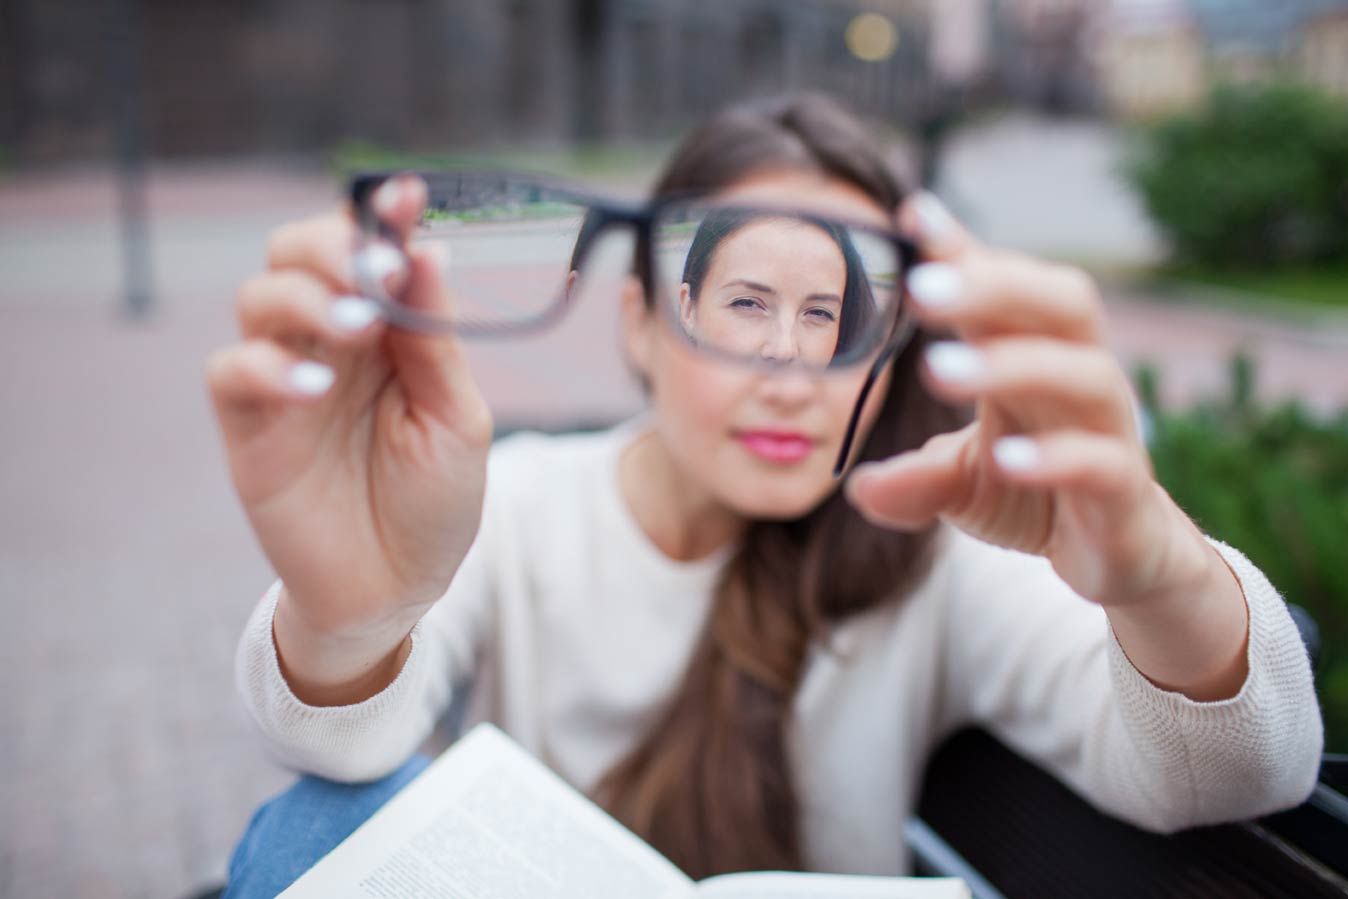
<point x="365" y="491"/>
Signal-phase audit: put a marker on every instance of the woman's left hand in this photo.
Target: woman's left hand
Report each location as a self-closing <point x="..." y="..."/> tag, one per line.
<point x="1053" y="463"/>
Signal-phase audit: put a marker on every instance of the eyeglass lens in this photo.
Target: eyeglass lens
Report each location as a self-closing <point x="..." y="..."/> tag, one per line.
<point x="773" y="285"/>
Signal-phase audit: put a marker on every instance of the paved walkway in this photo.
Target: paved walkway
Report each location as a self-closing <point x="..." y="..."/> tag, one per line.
<point x="126" y="567"/>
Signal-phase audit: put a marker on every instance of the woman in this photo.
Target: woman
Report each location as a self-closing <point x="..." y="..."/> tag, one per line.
<point x="685" y="616"/>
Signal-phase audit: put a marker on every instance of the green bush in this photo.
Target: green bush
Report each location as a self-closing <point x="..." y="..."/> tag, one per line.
<point x="1272" y="482"/>
<point x="1257" y="176"/>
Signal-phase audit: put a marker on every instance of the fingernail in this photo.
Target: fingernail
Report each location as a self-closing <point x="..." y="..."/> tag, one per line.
<point x="372" y="265"/>
<point x="311" y="378"/>
<point x="1016" y="453"/>
<point x="933" y="218"/>
<point x="353" y="313"/>
<point x="387" y="196"/>
<point x="955" y="362"/>
<point x="936" y="285"/>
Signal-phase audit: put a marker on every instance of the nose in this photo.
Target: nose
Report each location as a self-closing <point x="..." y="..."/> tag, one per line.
<point x="787" y="390"/>
<point x="780" y="345"/>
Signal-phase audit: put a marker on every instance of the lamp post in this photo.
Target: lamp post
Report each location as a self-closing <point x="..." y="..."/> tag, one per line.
<point x="123" y="33"/>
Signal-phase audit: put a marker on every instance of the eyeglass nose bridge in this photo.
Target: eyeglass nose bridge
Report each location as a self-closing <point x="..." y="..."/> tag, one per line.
<point x="598" y="220"/>
<point x="606" y="218"/>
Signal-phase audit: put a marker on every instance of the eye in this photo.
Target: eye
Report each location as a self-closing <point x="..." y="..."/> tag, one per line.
<point x="745" y="303"/>
<point x="822" y="314"/>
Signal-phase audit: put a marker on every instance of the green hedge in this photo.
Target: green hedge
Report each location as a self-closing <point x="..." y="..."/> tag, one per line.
<point x="1273" y="482"/>
<point x="1255" y="177"/>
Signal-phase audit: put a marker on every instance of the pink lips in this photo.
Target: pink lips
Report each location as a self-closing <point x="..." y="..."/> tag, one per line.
<point x="776" y="446"/>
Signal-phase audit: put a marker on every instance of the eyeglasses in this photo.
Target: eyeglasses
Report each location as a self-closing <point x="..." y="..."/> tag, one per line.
<point x="767" y="285"/>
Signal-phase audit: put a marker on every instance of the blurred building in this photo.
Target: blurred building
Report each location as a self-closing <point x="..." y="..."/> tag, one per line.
<point x="301" y="75"/>
<point x="1044" y="52"/>
<point x="188" y="77"/>
<point x="1149" y="56"/>
<point x="1154" y="56"/>
<point x="1322" y="50"/>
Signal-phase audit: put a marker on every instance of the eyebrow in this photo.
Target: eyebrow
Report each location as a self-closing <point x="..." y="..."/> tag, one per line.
<point x="763" y="288"/>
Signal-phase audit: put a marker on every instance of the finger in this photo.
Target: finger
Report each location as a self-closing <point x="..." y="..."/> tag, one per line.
<point x="293" y="306"/>
<point x="1098" y="464"/>
<point x="911" y="489"/>
<point x="381" y="263"/>
<point x="1041" y="382"/>
<point x="248" y="378"/>
<point x="400" y="202"/>
<point x="938" y="233"/>
<point x="321" y="246"/>
<point x="989" y="293"/>
<point x="432" y="368"/>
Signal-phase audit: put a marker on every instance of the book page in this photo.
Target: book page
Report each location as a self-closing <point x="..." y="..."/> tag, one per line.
<point x="782" y="885"/>
<point x="488" y="821"/>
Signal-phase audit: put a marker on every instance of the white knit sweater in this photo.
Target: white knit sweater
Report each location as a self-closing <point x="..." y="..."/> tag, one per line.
<point x="574" y="629"/>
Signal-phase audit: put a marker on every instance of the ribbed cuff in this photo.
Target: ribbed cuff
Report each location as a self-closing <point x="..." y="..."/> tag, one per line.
<point x="298" y="730"/>
<point x="1268" y="642"/>
<point x="1266" y="739"/>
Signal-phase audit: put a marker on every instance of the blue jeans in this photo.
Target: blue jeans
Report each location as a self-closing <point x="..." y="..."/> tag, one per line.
<point x="291" y="832"/>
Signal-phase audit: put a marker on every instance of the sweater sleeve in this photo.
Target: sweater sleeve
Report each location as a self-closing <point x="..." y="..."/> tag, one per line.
<point x="367" y="740"/>
<point x="1040" y="667"/>
<point x="370" y="739"/>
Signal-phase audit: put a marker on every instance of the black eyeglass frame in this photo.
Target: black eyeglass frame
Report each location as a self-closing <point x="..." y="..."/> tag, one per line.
<point x="603" y="214"/>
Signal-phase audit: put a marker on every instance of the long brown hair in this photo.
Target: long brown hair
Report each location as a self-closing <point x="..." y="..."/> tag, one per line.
<point x="710" y="786"/>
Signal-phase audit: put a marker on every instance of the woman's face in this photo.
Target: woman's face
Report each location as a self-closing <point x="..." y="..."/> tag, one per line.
<point x="774" y="290"/>
<point x="761" y="442"/>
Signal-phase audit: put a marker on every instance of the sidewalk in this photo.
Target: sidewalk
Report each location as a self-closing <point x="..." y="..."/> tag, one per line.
<point x="127" y="568"/>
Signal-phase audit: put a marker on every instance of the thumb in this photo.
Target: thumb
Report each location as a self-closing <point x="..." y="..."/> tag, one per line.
<point x="909" y="490"/>
<point x="432" y="368"/>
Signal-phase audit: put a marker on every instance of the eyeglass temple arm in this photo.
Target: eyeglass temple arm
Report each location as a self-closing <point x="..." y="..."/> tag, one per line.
<point x="897" y="341"/>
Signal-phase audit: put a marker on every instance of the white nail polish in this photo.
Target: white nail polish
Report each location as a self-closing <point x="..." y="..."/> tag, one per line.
<point x="311" y="378"/>
<point x="372" y="265"/>
<point x="935" y="285"/>
<point x="955" y="362"/>
<point x="1016" y="453"/>
<point x="353" y="313"/>
<point x="932" y="217"/>
<point x="387" y="196"/>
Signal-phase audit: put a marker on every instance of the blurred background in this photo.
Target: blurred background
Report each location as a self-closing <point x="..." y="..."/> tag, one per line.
<point x="1193" y="155"/>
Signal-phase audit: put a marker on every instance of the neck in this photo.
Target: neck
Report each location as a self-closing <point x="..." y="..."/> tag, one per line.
<point x="678" y="516"/>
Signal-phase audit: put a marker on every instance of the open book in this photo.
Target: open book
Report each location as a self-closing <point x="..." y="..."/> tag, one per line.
<point x="488" y="821"/>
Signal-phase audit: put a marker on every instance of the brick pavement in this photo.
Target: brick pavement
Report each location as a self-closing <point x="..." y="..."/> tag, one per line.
<point x="127" y="569"/>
